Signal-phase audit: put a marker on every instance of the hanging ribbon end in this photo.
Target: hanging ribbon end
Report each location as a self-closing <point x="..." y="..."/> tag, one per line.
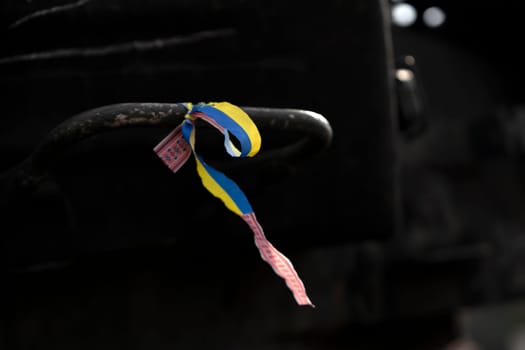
<point x="173" y="150"/>
<point x="309" y="304"/>
<point x="303" y="300"/>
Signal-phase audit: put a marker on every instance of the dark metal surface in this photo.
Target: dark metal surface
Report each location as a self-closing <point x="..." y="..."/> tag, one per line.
<point x="136" y="257"/>
<point x="277" y="55"/>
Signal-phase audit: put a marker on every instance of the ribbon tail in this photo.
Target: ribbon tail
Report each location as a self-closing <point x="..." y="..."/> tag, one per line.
<point x="280" y="264"/>
<point x="173" y="150"/>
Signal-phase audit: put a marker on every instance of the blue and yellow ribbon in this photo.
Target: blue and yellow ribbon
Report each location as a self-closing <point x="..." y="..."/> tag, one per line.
<point x="229" y="119"/>
<point x="232" y="120"/>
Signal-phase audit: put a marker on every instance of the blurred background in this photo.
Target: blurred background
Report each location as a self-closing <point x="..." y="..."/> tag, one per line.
<point x="408" y="230"/>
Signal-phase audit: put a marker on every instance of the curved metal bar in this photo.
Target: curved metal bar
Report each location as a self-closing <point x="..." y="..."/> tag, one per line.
<point x="314" y="129"/>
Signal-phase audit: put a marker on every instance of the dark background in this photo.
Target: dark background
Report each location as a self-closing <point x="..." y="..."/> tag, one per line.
<point x="412" y="216"/>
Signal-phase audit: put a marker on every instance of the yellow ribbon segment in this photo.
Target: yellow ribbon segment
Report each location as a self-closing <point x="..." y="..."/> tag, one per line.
<point x="244" y="121"/>
<point x="215" y="189"/>
<point x="209" y="182"/>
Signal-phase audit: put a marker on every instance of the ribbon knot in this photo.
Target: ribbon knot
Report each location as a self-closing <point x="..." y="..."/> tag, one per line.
<point x="175" y="149"/>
